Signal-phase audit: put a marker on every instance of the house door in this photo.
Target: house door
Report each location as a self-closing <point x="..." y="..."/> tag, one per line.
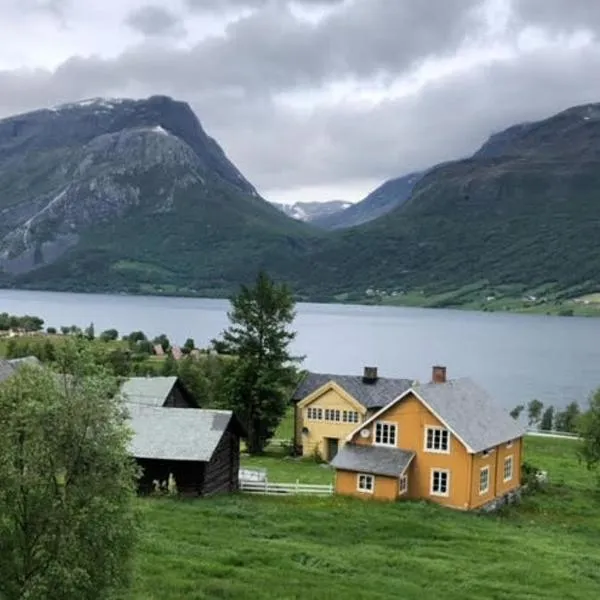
<point x="332" y="448"/>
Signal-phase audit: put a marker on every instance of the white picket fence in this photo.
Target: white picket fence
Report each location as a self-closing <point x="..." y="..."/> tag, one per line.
<point x="281" y="489"/>
<point x="553" y="434"/>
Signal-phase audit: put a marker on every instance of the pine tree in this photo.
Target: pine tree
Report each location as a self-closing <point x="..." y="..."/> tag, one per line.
<point x="263" y="370"/>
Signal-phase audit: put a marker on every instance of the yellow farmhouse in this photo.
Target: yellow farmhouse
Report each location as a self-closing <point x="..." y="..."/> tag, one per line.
<point x="329" y="407"/>
<point x="446" y="441"/>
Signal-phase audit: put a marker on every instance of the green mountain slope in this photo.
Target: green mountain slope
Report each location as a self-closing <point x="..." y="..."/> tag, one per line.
<point x="523" y="213"/>
<point x="123" y="195"/>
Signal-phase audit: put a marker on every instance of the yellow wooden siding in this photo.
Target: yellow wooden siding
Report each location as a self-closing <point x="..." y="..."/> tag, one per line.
<point x="318" y="431"/>
<point x="386" y="488"/>
<point x="412" y="418"/>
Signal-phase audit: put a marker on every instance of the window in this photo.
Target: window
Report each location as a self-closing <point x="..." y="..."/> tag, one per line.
<point x="440" y="482"/>
<point x="508" y="468"/>
<point x="332" y="415"/>
<point x="437" y="439"/>
<point x="484" y="480"/>
<point x="350" y="416"/>
<point x="314" y="414"/>
<point x="403" y="485"/>
<point x="365" y="483"/>
<point x="385" y="434"/>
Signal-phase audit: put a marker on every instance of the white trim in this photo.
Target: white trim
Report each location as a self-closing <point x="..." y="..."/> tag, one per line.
<point x="403" y="478"/>
<point x="440" y="494"/>
<point x="368" y="476"/>
<point x="512" y="468"/>
<point x="487" y="486"/>
<point x="390" y="424"/>
<point x="438" y="428"/>
<point x="398" y="399"/>
<point x="509" y="444"/>
<point x="487" y="452"/>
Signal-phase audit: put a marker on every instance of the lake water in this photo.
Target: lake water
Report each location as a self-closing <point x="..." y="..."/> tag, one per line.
<point x="516" y="357"/>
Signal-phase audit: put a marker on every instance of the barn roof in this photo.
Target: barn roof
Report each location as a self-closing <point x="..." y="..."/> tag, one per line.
<point x="176" y="433"/>
<point x="372" y="394"/>
<point x="151" y="391"/>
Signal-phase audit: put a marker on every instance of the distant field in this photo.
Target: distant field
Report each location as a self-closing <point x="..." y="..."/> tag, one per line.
<point x="244" y="547"/>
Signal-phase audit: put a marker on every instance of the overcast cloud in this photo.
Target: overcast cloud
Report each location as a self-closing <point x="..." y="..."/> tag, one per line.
<point x="314" y="99"/>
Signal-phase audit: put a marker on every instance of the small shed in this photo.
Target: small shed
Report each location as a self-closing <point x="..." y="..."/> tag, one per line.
<point x="199" y="448"/>
<point x="158" y="391"/>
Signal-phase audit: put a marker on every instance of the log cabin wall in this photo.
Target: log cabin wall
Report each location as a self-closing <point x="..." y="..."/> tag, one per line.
<point x="222" y="471"/>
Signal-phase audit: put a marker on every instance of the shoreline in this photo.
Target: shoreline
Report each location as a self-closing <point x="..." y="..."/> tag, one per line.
<point x="410" y="300"/>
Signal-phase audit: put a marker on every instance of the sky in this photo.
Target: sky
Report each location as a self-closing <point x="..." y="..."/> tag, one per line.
<point x="313" y="99"/>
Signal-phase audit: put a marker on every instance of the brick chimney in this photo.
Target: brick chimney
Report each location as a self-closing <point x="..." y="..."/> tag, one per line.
<point x="438" y="374"/>
<point x="370" y="375"/>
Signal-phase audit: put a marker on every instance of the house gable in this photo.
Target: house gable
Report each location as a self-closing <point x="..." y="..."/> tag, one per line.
<point x="332" y="386"/>
<point x="434" y="419"/>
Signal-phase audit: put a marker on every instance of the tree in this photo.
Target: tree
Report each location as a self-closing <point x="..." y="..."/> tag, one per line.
<point x="135" y="336"/>
<point x="188" y="346"/>
<point x="169" y="366"/>
<point x="515" y="413"/>
<point x="67" y="521"/>
<point x="263" y="370"/>
<point x="547" y="419"/>
<point x="568" y="419"/>
<point x="534" y="412"/>
<point x="90" y="332"/>
<point x="589" y="430"/>
<point x="163" y="341"/>
<point x="110" y="335"/>
<point x="51" y="331"/>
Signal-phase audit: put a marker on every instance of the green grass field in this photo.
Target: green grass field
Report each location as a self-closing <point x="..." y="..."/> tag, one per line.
<point x="249" y="547"/>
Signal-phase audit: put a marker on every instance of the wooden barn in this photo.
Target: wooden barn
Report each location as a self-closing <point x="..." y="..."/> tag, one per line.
<point x="158" y="391"/>
<point x="199" y="448"/>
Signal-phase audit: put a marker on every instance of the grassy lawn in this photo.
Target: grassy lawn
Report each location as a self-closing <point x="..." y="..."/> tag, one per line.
<point x="283" y="548"/>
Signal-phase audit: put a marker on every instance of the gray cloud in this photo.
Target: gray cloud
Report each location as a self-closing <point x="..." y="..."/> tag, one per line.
<point x="231" y="82"/>
<point x="558" y="15"/>
<point x="152" y="20"/>
<point x="56" y="8"/>
<point x="224" y="5"/>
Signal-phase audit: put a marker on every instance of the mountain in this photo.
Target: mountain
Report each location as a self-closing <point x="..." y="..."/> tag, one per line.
<point x="385" y="198"/>
<point x="522" y="213"/>
<point x="312" y="211"/>
<point x="130" y="195"/>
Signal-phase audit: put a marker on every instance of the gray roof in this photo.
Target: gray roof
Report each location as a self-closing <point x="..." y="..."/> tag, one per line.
<point x="471" y="413"/>
<point x="371" y="395"/>
<point x="9" y="367"/>
<point x="373" y="459"/>
<point x="151" y="391"/>
<point x="175" y="433"/>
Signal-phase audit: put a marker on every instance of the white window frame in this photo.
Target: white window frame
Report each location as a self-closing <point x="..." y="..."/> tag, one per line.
<point x="440" y="429"/>
<point x="432" y="478"/>
<point x="403" y="485"/>
<point x="367" y="477"/>
<point x="486" y="489"/>
<point x="508" y="460"/>
<point x="391" y="426"/>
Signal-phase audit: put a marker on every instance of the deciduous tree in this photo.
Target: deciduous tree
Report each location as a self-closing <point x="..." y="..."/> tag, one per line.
<point x="568" y="420"/>
<point x="515" y="413"/>
<point x="547" y="419"/>
<point x="589" y="430"/>
<point x="262" y="371"/>
<point x="67" y="522"/>
<point x="534" y="412"/>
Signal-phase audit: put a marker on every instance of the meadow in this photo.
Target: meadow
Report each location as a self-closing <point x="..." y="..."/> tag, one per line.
<point x="250" y="547"/>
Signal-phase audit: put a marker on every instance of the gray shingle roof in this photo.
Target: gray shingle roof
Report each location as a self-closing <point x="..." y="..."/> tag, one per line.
<point x="471" y="412"/>
<point x="373" y="459"/>
<point x="175" y="433"/>
<point x="151" y="391"/>
<point x="370" y="395"/>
